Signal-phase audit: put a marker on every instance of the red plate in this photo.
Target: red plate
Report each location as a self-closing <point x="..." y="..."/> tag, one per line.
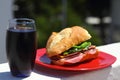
<point x="103" y="60"/>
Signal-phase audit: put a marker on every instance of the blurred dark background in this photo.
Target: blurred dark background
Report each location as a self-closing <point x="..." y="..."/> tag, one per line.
<point x="54" y="15"/>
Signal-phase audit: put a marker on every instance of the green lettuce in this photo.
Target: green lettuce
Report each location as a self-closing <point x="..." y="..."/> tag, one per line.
<point x="77" y="48"/>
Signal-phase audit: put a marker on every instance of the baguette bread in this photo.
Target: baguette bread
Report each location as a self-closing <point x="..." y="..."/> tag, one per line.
<point x="65" y="39"/>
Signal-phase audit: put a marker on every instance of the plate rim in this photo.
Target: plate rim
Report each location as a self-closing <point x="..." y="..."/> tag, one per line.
<point x="57" y="67"/>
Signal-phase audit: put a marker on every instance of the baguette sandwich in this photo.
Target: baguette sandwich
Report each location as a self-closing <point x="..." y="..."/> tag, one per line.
<point x="70" y="46"/>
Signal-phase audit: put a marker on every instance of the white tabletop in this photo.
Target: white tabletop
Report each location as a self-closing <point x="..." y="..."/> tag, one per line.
<point x="42" y="73"/>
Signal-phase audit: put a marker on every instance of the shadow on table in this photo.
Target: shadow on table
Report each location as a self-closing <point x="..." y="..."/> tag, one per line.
<point x="8" y="76"/>
<point x="74" y="75"/>
<point x="115" y="73"/>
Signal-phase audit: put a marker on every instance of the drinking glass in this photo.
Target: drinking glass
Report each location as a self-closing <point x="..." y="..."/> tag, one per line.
<point x="21" y="46"/>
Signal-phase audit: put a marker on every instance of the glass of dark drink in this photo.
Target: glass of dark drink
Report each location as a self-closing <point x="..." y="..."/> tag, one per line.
<point x="21" y="46"/>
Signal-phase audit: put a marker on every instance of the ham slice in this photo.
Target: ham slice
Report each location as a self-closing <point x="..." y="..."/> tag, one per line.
<point x="79" y="57"/>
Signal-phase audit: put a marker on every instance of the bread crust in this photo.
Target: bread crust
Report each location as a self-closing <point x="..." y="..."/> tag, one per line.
<point x="65" y="39"/>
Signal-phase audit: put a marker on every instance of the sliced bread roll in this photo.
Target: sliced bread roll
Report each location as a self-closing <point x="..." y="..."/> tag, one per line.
<point x="65" y="39"/>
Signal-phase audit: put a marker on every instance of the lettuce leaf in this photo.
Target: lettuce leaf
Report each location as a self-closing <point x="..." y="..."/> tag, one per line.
<point x="77" y="48"/>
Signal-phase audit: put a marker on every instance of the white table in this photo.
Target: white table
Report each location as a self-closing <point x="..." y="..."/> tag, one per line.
<point x="42" y="73"/>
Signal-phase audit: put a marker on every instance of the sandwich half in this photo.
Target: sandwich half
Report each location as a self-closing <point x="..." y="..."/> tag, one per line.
<point x="70" y="46"/>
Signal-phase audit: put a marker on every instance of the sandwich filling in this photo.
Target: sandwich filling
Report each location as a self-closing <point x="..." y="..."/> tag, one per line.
<point x="75" y="51"/>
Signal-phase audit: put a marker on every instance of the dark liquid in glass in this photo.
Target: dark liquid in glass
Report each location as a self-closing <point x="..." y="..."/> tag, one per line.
<point x="21" y="51"/>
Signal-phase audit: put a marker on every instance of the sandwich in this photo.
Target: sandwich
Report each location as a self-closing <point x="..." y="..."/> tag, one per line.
<point x="70" y="46"/>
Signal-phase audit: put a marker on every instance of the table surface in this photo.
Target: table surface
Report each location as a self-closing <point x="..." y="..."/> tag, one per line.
<point x="42" y="73"/>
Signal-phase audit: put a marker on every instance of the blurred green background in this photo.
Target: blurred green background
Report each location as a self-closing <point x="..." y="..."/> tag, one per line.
<point x="54" y="15"/>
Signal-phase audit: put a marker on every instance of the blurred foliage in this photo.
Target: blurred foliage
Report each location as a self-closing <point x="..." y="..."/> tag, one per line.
<point x="48" y="16"/>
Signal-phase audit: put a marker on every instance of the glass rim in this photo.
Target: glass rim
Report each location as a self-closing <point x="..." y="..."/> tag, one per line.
<point x="27" y="20"/>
